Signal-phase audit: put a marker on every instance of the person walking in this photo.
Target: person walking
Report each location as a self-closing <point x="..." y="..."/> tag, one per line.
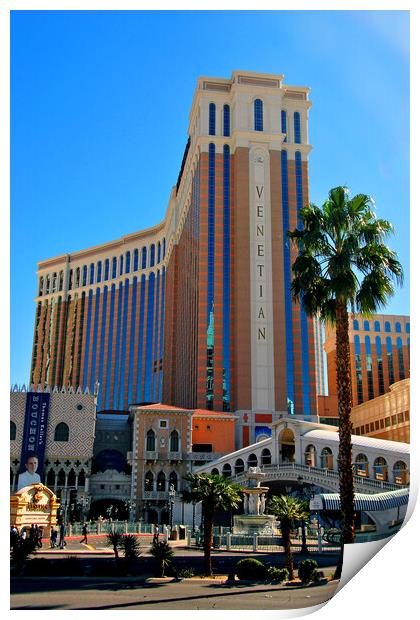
<point x="14" y="537"/>
<point x="84" y="532"/>
<point x="62" y="543"/>
<point x="155" y="533"/>
<point x="39" y="537"/>
<point x="53" y="537"/>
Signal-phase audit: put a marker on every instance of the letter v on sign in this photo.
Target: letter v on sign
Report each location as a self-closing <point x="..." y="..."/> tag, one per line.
<point x="259" y="190"/>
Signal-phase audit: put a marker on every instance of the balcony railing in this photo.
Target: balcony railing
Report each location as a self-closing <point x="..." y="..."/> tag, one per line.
<point x="151" y="455"/>
<point x="162" y="495"/>
<point x="175" y="456"/>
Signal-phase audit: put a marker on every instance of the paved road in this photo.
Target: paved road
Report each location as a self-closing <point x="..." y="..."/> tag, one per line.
<point x="109" y="594"/>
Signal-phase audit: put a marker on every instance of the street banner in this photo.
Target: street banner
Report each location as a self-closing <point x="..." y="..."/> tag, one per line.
<point x="35" y="431"/>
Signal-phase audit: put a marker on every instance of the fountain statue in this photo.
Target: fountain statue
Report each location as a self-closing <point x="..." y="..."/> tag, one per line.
<point x="254" y="520"/>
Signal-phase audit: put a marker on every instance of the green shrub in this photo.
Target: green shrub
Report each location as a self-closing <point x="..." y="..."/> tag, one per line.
<point x="185" y="573"/>
<point x="277" y="574"/>
<point x="307" y="570"/>
<point x="251" y="569"/>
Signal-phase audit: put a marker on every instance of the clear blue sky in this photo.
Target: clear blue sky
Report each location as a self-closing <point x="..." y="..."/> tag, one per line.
<point x="99" y="117"/>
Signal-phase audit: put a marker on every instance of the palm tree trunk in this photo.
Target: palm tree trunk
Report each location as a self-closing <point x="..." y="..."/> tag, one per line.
<point x="285" y="530"/>
<point x="208" y="539"/>
<point x="345" y="470"/>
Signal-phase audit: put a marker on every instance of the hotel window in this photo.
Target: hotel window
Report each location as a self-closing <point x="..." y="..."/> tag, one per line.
<point x="380" y="364"/>
<point x="127" y="262"/>
<point x="366" y="326"/>
<point x="161" y="481"/>
<point x="41" y="286"/>
<point x="121" y="269"/>
<point x="150" y="441"/>
<point x="226" y="120"/>
<point x="158" y="253"/>
<point x="398" y="328"/>
<point x="407" y="328"/>
<point x="148" y="481"/>
<point x="387" y="326"/>
<point x="356" y="325"/>
<point x="377" y="326"/>
<point x="391" y="378"/>
<point x="164" y="247"/>
<point x="152" y="255"/>
<point x="54" y="283"/>
<point x="84" y="279"/>
<point x="47" y="285"/>
<point x="12" y="430"/>
<point x="284" y="124"/>
<point x="92" y="273"/>
<point x="144" y="258"/>
<point x="114" y="267"/>
<point x="70" y="279"/>
<point x="106" y="273"/>
<point x="258" y="115"/>
<point x="212" y="119"/>
<point x="174" y="442"/>
<point x="358" y="359"/>
<point x="296" y="119"/>
<point x="60" y="281"/>
<point x="61" y="432"/>
<point x="173" y="479"/>
<point x="369" y="368"/>
<point x="401" y="370"/>
<point x="99" y="271"/>
<point x="136" y="260"/>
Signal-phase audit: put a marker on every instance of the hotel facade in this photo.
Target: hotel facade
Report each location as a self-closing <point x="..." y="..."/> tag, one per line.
<point x="196" y="312"/>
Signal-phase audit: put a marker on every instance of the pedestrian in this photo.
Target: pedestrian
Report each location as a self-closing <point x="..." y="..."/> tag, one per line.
<point x="32" y="533"/>
<point x="53" y="537"/>
<point x="39" y="537"/>
<point x="14" y="537"/>
<point x="62" y="543"/>
<point x="23" y="534"/>
<point x="84" y="532"/>
<point x="155" y="533"/>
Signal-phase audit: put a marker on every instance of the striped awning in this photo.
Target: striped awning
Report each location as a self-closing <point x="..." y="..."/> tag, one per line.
<point x="363" y="501"/>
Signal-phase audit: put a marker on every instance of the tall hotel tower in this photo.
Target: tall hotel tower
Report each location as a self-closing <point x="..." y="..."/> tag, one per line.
<point x="197" y="312"/>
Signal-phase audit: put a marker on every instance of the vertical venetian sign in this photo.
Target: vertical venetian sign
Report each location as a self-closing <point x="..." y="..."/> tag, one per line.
<point x="35" y="429"/>
<point x="261" y="283"/>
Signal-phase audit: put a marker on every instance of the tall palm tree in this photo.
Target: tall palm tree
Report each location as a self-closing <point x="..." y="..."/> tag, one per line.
<point x="114" y="540"/>
<point x="289" y="511"/>
<point x="343" y="262"/>
<point x="213" y="491"/>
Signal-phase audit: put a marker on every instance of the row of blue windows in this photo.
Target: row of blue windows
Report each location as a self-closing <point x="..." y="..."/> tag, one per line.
<point x="210" y="276"/>
<point x="379" y="362"/>
<point x="111" y="268"/>
<point x="212" y="119"/>
<point x="226" y="278"/>
<point x="377" y="326"/>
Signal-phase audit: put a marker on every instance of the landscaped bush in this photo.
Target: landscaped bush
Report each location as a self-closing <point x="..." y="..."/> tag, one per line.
<point x="251" y="569"/>
<point x="185" y="573"/>
<point x="307" y="570"/>
<point x="277" y="574"/>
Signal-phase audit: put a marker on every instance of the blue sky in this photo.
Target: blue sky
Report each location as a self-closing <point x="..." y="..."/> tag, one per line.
<point x="99" y="116"/>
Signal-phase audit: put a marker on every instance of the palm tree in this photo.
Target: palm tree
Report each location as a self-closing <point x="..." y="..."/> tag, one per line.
<point x="163" y="553"/>
<point x="213" y="491"/>
<point x="130" y="544"/>
<point x="114" y="540"/>
<point x="343" y="262"/>
<point x="288" y="511"/>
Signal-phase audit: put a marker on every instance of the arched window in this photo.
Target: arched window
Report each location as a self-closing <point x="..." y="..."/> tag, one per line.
<point x="50" y="480"/>
<point x="164" y="247"/>
<point x="252" y="460"/>
<point x="387" y="326"/>
<point x="12" y="430"/>
<point x="71" y="479"/>
<point x="158" y="252"/>
<point x="70" y="279"/>
<point x="366" y="326"/>
<point x="148" y="481"/>
<point x="106" y="270"/>
<point x="41" y="286"/>
<point x="92" y="274"/>
<point x="361" y="465"/>
<point x="60" y="280"/>
<point x="398" y="327"/>
<point x="161" y="481"/>
<point x="310" y="456"/>
<point x="284" y="124"/>
<point x="377" y="326"/>
<point x="81" y="480"/>
<point x="152" y="255"/>
<point x="239" y="466"/>
<point x="227" y="470"/>
<point x="61" y="478"/>
<point x="356" y="325"/>
<point x="407" y="328"/>
<point x="144" y="258"/>
<point x="136" y="260"/>
<point x="258" y="115"/>
<point x="173" y="479"/>
<point x="98" y="271"/>
<point x="77" y="279"/>
<point x="174" y="442"/>
<point x="212" y="119"/>
<point x="226" y="120"/>
<point x="327" y="461"/>
<point x="54" y="284"/>
<point x="266" y="457"/>
<point x="61" y="432"/>
<point x="400" y="473"/>
<point x="114" y="267"/>
<point x="150" y="441"/>
<point x="214" y="471"/>
<point x="127" y="262"/>
<point x="380" y="468"/>
<point x="121" y="269"/>
<point x="296" y="119"/>
<point x="47" y="285"/>
<point x="84" y="277"/>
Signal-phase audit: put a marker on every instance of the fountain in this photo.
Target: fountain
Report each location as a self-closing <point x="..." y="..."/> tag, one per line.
<point x="254" y="520"/>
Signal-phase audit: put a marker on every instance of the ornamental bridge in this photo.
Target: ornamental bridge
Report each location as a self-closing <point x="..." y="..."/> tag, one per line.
<point x="306" y="453"/>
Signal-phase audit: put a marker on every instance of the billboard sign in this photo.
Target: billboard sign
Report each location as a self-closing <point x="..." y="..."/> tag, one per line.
<point x="34" y="438"/>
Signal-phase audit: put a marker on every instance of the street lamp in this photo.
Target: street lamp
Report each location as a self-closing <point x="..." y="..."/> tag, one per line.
<point x="171" y="505"/>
